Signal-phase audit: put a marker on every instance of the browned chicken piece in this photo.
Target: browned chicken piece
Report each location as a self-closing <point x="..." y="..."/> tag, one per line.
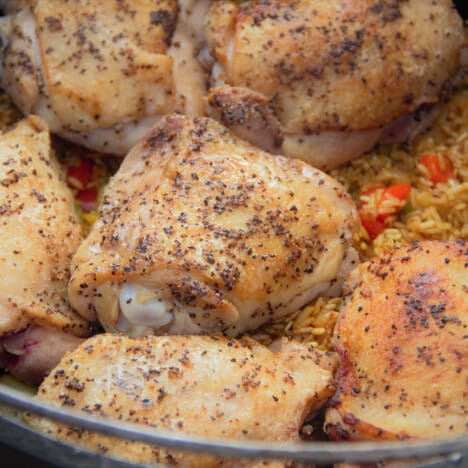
<point x="101" y="73"/>
<point x="39" y="235"/>
<point x="201" y="232"/>
<point x="200" y="385"/>
<point x="340" y="76"/>
<point x="402" y="340"/>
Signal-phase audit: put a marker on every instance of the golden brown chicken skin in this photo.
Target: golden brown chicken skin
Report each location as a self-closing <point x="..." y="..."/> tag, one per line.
<point x="402" y="340"/>
<point x="39" y="235"/>
<point x="101" y="73"/>
<point x="201" y="385"/>
<point x="339" y="74"/>
<point x="200" y="231"/>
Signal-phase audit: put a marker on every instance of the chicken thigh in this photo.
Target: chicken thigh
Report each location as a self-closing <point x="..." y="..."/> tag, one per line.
<point x="39" y="235"/>
<point x="199" y="231"/>
<point x="337" y="76"/>
<point x="101" y="73"/>
<point x="202" y="385"/>
<point x="402" y="340"/>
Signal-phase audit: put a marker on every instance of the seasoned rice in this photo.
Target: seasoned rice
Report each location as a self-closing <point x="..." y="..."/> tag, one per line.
<point x="438" y="211"/>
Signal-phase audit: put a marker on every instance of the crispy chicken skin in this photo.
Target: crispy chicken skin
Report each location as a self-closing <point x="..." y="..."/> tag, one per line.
<point x="39" y="235"/>
<point x="338" y="74"/>
<point x="200" y="231"/>
<point x="402" y="343"/>
<point x="101" y="73"/>
<point x="203" y="385"/>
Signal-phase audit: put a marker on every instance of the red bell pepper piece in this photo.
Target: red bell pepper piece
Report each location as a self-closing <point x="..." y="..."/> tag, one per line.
<point x="400" y="191"/>
<point x="87" y="198"/>
<point x="81" y="174"/>
<point x="440" y="170"/>
<point x="375" y="224"/>
<point x="374" y="227"/>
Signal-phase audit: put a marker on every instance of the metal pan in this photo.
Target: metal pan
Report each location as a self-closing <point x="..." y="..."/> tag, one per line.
<point x="14" y="432"/>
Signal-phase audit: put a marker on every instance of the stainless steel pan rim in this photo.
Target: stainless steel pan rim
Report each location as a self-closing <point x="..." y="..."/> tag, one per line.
<point x="318" y="452"/>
